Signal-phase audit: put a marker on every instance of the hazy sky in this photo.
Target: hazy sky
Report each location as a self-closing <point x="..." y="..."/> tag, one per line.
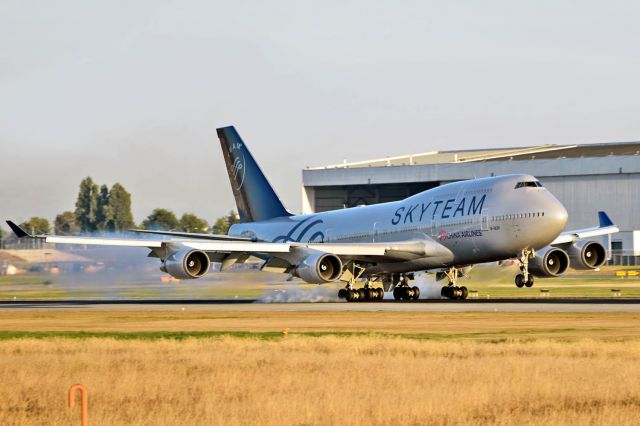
<point x="132" y="91"/>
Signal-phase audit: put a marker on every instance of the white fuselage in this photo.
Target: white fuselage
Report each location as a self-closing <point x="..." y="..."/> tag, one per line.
<point x="478" y="220"/>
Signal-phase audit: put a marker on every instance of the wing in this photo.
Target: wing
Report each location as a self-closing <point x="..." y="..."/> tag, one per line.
<point x="605" y="227"/>
<point x="218" y="250"/>
<point x="192" y="235"/>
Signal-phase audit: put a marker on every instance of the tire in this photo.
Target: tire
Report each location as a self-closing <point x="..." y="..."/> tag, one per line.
<point x="465" y="292"/>
<point x="362" y="294"/>
<point x="457" y="293"/>
<point x="380" y="294"/>
<point x="367" y="294"/>
<point x="416" y="293"/>
<point x="529" y="283"/>
<point x="397" y="293"/>
<point x="519" y="280"/>
<point x="407" y="293"/>
<point x="342" y="293"/>
<point x="447" y="292"/>
<point x="352" y="296"/>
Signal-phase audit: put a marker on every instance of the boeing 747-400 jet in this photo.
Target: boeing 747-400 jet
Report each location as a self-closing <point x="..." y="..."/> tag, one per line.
<point x="376" y="249"/>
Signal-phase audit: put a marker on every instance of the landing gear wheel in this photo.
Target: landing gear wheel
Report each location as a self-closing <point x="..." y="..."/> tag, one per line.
<point x="416" y="293"/>
<point x="397" y="293"/>
<point x="362" y="294"/>
<point x="525" y="278"/>
<point x="406" y="293"/>
<point x="367" y="294"/>
<point x="380" y="293"/>
<point x="454" y="293"/>
<point x="353" y="295"/>
<point x="342" y="293"/>
<point x="447" y="292"/>
<point x="465" y="292"/>
<point x="529" y="283"/>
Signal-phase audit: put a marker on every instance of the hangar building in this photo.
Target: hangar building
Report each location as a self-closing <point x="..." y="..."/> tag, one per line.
<point x="585" y="178"/>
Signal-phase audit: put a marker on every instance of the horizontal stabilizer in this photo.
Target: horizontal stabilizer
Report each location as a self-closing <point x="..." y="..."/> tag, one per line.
<point x="20" y="233"/>
<point x="605" y="227"/>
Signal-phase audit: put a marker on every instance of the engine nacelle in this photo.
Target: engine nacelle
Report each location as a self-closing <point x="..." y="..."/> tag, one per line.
<point x="587" y="255"/>
<point x="319" y="268"/>
<point x="549" y="262"/>
<point x="186" y="264"/>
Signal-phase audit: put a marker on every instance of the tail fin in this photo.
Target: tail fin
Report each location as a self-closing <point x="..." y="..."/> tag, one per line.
<point x="255" y="198"/>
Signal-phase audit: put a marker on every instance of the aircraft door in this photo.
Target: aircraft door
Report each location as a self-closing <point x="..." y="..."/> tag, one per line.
<point x="328" y="234"/>
<point x="376" y="232"/>
<point x="484" y="222"/>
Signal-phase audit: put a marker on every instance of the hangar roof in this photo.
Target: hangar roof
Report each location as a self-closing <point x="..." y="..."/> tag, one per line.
<point x="482" y="155"/>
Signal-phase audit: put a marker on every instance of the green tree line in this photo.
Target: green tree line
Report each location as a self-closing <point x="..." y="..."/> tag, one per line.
<point x="103" y="209"/>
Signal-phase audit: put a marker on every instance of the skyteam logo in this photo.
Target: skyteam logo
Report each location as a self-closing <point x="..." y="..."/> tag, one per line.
<point x="238" y="169"/>
<point x="317" y="236"/>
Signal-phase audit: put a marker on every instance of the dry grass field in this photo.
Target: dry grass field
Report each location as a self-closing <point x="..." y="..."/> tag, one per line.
<point x="303" y="380"/>
<point x="354" y="368"/>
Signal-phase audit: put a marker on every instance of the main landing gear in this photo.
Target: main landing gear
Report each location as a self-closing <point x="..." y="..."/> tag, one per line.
<point x="452" y="291"/>
<point x="398" y="283"/>
<point x="402" y="290"/>
<point x="366" y="294"/>
<point x="525" y="279"/>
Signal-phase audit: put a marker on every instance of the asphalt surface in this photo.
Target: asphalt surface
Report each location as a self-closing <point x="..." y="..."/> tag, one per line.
<point x="473" y="305"/>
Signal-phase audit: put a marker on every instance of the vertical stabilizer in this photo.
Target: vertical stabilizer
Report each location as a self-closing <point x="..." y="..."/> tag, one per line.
<point x="255" y="198"/>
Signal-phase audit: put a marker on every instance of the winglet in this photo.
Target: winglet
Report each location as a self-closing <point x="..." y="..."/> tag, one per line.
<point x="604" y="220"/>
<point x="20" y="233"/>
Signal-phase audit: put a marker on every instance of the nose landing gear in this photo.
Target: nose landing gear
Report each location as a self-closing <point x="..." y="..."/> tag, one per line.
<point x="525" y="279"/>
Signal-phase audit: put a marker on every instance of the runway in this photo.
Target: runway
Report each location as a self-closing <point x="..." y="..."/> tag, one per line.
<point x="480" y="305"/>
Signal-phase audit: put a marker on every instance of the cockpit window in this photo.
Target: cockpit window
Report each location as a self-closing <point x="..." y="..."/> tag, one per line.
<point x="533" y="184"/>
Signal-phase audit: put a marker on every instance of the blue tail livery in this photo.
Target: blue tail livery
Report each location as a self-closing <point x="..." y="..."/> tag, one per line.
<point x="255" y="198"/>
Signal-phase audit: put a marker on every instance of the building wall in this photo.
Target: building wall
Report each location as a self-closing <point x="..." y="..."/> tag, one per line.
<point x="583" y="185"/>
<point x="584" y="196"/>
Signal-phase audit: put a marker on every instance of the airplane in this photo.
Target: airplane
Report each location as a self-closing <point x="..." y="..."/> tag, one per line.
<point x="378" y="248"/>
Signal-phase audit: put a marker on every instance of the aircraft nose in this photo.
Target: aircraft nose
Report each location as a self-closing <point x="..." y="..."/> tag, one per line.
<point x="558" y="215"/>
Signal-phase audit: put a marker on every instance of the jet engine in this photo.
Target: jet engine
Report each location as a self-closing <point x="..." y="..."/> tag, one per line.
<point x="186" y="264"/>
<point x="319" y="268"/>
<point x="549" y="262"/>
<point x="587" y="255"/>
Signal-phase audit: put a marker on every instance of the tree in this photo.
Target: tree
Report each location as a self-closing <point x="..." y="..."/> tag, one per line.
<point x="36" y="225"/>
<point x="121" y="217"/>
<point x="103" y="210"/>
<point x="65" y="224"/>
<point x="161" y="219"/>
<point x="189" y="222"/>
<point x="87" y="206"/>
<point x="222" y="224"/>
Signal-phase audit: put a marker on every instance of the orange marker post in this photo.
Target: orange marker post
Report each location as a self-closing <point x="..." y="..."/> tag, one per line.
<point x="84" y="401"/>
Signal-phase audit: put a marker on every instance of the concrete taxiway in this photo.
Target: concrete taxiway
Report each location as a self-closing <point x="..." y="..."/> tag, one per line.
<point x="483" y="305"/>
